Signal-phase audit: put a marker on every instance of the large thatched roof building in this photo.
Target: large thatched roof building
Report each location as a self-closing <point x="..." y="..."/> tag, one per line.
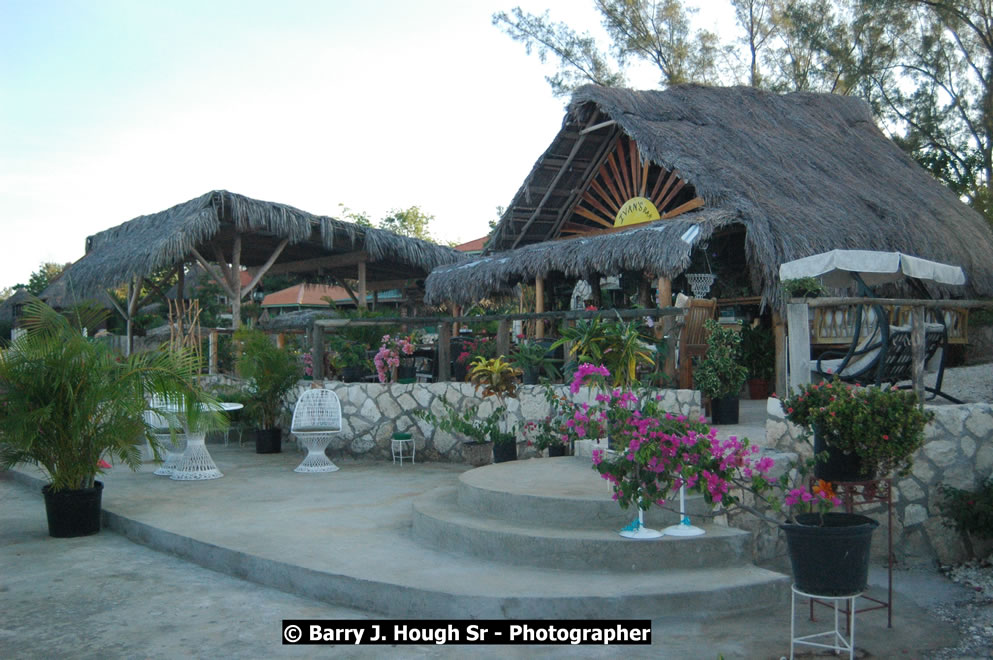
<point x="778" y="176"/>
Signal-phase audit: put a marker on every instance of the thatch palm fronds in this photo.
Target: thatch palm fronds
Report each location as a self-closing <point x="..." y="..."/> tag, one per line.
<point x="67" y="401"/>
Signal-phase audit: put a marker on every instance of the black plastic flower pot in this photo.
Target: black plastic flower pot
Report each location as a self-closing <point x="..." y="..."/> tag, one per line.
<point x="724" y="410"/>
<point x="530" y="376"/>
<point x="268" y="441"/>
<point x="830" y="559"/>
<point x="505" y="451"/>
<point x="557" y="449"/>
<point x="73" y="512"/>
<point x="839" y="466"/>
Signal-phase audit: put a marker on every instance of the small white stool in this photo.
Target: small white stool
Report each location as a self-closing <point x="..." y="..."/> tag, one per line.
<point x="397" y="446"/>
<point x="839" y="642"/>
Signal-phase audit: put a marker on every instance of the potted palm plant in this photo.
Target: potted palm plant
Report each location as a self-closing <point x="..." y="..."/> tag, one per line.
<point x="497" y="377"/>
<point x="68" y="402"/>
<point x="480" y="434"/>
<point x="532" y="357"/>
<point x="615" y="344"/>
<point x="720" y="374"/>
<point x="350" y="359"/>
<point x="271" y="373"/>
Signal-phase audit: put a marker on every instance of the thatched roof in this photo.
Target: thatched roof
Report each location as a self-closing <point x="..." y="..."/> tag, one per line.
<point x="149" y="243"/>
<point x="801" y="173"/>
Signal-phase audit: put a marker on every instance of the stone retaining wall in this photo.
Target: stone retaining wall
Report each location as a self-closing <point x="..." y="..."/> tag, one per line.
<point x="371" y="413"/>
<point x="958" y="451"/>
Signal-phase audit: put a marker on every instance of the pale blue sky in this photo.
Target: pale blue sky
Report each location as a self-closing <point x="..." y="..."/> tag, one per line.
<point x="111" y="109"/>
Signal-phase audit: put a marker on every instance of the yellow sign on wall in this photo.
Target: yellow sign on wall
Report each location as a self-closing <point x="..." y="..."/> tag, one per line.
<point x="635" y="211"/>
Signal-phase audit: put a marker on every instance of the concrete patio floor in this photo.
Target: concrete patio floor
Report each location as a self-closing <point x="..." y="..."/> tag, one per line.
<point x="103" y="596"/>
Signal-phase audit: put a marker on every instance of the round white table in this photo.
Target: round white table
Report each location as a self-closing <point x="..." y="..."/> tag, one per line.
<point x="196" y="464"/>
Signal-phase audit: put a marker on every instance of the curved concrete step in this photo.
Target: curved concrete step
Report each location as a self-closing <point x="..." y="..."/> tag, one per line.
<point x="439" y="523"/>
<point x="559" y="492"/>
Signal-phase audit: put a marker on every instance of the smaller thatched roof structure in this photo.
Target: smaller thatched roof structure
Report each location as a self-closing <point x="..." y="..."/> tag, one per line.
<point x="210" y="222"/>
<point x="799" y="174"/>
<point x="10" y="305"/>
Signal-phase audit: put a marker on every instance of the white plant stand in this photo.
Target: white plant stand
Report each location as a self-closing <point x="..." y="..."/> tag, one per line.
<point x="397" y="443"/>
<point x="637" y="530"/>
<point x="683" y="528"/>
<point x="838" y="641"/>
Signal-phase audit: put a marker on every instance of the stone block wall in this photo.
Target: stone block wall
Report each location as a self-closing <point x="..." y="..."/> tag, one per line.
<point x="958" y="451"/>
<point x="371" y="413"/>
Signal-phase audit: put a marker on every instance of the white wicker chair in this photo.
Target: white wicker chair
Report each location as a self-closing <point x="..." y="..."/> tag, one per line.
<point x="316" y="417"/>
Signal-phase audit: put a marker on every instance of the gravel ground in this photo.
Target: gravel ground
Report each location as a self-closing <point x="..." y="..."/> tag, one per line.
<point x="972" y="614"/>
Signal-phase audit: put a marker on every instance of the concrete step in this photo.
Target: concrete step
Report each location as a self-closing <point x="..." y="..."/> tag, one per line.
<point x="440" y="523"/>
<point x="561" y="492"/>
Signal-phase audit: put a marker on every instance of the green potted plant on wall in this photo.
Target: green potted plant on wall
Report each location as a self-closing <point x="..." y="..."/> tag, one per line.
<point x="271" y="373"/>
<point x="498" y="378"/>
<point x="861" y="433"/>
<point x="68" y="402"/>
<point x="533" y="358"/>
<point x="350" y="359"/>
<point x="720" y="374"/>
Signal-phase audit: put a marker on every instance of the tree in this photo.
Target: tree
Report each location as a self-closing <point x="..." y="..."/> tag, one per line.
<point x="755" y="18"/>
<point x="581" y="61"/>
<point x="358" y="217"/>
<point x="42" y="277"/>
<point x="412" y="222"/>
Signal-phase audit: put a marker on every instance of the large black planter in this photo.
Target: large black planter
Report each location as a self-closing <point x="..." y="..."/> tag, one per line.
<point x="724" y="410"/>
<point x="830" y="559"/>
<point x="268" y="441"/>
<point x="504" y="451"/>
<point x="839" y="466"/>
<point x="407" y="372"/>
<point x="530" y="376"/>
<point x="558" y="449"/>
<point x="352" y="374"/>
<point x="73" y="512"/>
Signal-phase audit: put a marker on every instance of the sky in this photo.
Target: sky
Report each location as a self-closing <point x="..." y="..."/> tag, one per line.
<point x="111" y="109"/>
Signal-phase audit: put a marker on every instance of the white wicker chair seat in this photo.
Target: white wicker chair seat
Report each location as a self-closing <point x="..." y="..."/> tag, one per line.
<point x="316" y="418"/>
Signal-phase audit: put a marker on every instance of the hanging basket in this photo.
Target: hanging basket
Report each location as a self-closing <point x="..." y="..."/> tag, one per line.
<point x="700" y="283"/>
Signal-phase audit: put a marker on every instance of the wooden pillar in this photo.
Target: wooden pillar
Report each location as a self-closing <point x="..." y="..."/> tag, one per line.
<point x="798" y="329"/>
<point x="362" y="285"/>
<point x="212" y="352"/>
<point x="596" y="293"/>
<point x="503" y="337"/>
<point x="539" y="307"/>
<point x="456" y="327"/>
<point x="280" y="340"/>
<point x="375" y="299"/>
<point x="317" y="352"/>
<point x="779" y="332"/>
<point x="444" y="351"/>
<point x="917" y="350"/>
<point x="665" y="328"/>
<point x="644" y="291"/>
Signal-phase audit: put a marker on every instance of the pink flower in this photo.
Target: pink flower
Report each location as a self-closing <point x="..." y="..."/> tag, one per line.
<point x="103" y="465"/>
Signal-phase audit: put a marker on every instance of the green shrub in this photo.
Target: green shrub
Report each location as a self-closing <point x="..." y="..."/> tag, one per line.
<point x="969" y="512"/>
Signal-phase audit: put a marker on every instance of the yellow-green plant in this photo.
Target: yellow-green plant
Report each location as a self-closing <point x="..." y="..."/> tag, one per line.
<point x="496" y="376"/>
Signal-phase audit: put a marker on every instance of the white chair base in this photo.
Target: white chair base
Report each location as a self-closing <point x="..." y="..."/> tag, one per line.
<point x="174" y="452"/>
<point x="316" y="460"/>
<point x="196" y="463"/>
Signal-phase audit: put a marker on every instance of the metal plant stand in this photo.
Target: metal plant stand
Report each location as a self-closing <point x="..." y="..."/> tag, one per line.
<point x="838" y="642"/>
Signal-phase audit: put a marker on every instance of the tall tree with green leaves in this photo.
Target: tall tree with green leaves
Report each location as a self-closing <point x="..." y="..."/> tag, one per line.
<point x="411" y="221"/>
<point x="42" y="277"/>
<point x="580" y="59"/>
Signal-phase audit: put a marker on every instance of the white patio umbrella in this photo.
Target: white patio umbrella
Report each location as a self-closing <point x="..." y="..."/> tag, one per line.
<point x="836" y="268"/>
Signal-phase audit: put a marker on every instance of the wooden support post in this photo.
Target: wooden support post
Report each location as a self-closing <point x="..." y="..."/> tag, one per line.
<point x="917" y="350"/>
<point x="375" y="299"/>
<point x="779" y="332"/>
<point x="665" y="328"/>
<point x="798" y="327"/>
<point x="212" y="352"/>
<point x="444" y="351"/>
<point x="539" y="307"/>
<point x="644" y="291"/>
<point x="317" y="352"/>
<point x="456" y="327"/>
<point x="362" y="285"/>
<point x="280" y="340"/>
<point x="503" y="337"/>
<point x="596" y="293"/>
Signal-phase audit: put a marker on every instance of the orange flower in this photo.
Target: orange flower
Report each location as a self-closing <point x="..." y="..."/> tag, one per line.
<point x="824" y="488"/>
